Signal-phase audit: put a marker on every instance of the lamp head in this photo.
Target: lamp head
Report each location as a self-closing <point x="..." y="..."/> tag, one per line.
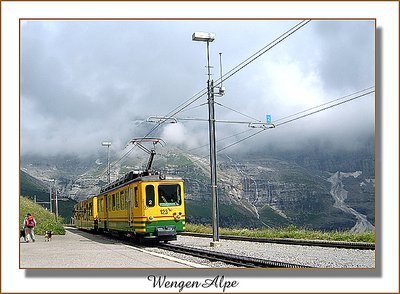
<point x="205" y="37"/>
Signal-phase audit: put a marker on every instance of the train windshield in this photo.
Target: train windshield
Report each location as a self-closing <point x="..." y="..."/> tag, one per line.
<point x="169" y="195"/>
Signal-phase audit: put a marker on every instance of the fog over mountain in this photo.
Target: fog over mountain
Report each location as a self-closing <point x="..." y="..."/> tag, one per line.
<point x="83" y="82"/>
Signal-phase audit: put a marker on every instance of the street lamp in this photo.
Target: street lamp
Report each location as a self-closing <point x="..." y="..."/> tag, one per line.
<point x="108" y="144"/>
<point x="209" y="37"/>
<point x="53" y="189"/>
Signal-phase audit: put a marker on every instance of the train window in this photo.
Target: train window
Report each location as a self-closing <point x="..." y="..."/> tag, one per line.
<point x="169" y="195"/>
<point x="150" y="196"/>
<point x="113" y="202"/>
<point x="117" y="199"/>
<point x="136" y="197"/>
<point x="122" y="200"/>
<point x="126" y="198"/>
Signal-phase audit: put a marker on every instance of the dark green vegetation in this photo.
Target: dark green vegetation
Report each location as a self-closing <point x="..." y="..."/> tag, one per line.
<point x="272" y="218"/>
<point x="31" y="187"/>
<point x="45" y="220"/>
<point x="289" y="232"/>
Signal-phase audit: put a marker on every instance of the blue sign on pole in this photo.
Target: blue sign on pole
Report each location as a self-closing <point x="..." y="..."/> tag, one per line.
<point x="269" y="119"/>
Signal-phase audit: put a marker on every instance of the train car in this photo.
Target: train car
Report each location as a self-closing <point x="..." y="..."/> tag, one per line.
<point x="146" y="205"/>
<point x="86" y="214"/>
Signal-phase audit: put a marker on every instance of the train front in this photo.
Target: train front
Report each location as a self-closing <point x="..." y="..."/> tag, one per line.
<point x="164" y="208"/>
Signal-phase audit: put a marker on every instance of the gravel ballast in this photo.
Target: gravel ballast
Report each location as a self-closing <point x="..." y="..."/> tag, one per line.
<point x="318" y="257"/>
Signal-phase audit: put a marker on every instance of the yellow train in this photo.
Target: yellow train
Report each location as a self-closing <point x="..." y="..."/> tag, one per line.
<point x="141" y="204"/>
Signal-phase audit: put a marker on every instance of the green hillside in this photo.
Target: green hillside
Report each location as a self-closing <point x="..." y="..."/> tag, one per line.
<point x="45" y="220"/>
<point x="31" y="187"/>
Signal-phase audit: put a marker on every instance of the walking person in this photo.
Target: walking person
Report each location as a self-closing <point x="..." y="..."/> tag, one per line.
<point x="29" y="227"/>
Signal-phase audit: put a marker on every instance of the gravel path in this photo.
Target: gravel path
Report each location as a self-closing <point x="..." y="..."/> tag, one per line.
<point x="320" y="257"/>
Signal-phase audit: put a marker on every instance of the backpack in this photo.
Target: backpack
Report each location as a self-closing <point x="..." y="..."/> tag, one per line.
<point x="30" y="223"/>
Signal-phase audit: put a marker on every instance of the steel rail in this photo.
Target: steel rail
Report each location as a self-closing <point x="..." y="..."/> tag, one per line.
<point x="287" y="241"/>
<point x="244" y="261"/>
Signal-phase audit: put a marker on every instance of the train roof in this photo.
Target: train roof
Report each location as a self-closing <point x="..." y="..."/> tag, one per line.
<point x="139" y="176"/>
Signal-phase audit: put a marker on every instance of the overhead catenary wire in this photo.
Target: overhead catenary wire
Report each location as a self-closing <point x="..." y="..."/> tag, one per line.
<point x="303" y="116"/>
<point x="341" y="98"/>
<point x="226" y="76"/>
<point x="222" y="139"/>
<point x="325" y="108"/>
<point x="233" y="71"/>
<point x="366" y="91"/>
<point x="241" y="140"/>
<point x="231" y="109"/>
<point x="194" y="107"/>
<point x="262" y="51"/>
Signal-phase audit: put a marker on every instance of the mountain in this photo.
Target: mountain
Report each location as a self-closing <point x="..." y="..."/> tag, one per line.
<point x="32" y="186"/>
<point x="321" y="189"/>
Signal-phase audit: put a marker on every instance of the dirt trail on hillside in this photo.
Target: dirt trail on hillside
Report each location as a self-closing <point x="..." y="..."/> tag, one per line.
<point x="340" y="195"/>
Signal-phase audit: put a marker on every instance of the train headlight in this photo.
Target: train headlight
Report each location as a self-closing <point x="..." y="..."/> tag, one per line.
<point x="177" y="217"/>
<point x="150" y="218"/>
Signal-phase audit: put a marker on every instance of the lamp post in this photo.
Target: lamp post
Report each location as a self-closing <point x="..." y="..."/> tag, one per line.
<point x="51" y="198"/>
<point x="53" y="189"/>
<point x="209" y="37"/>
<point x="108" y="144"/>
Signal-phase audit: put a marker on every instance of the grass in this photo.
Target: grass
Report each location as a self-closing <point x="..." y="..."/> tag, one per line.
<point x="291" y="232"/>
<point x="45" y="220"/>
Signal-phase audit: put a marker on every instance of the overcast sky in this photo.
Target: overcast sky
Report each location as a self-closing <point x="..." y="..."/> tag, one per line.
<point x="83" y="82"/>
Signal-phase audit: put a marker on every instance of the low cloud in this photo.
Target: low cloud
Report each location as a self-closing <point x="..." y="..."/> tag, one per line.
<point x="83" y="82"/>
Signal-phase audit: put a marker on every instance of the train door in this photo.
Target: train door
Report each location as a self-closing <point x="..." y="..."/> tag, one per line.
<point x="130" y="205"/>
<point x="136" y="200"/>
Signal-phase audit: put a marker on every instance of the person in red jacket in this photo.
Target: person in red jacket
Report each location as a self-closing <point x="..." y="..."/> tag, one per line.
<point x="29" y="227"/>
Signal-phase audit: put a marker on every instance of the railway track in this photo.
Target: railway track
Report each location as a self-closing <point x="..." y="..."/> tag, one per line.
<point x="279" y="257"/>
<point x="237" y="260"/>
<point x="320" y="243"/>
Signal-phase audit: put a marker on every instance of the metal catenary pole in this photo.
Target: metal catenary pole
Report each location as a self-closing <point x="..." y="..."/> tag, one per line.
<point x="213" y="151"/>
<point x="108" y="163"/>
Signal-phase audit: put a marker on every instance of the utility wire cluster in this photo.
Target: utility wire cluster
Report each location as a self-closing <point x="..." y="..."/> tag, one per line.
<point x="294" y="117"/>
<point x="308" y="112"/>
<point x="184" y="106"/>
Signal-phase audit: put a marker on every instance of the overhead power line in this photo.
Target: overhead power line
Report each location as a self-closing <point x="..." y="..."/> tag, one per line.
<point x="241" y="140"/>
<point x="262" y="51"/>
<point x="325" y="108"/>
<point x="305" y="115"/>
<point x="327" y="103"/>
<point x="222" y="139"/>
<point x="229" y="74"/>
<point x="233" y="71"/>
<point x="231" y="109"/>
